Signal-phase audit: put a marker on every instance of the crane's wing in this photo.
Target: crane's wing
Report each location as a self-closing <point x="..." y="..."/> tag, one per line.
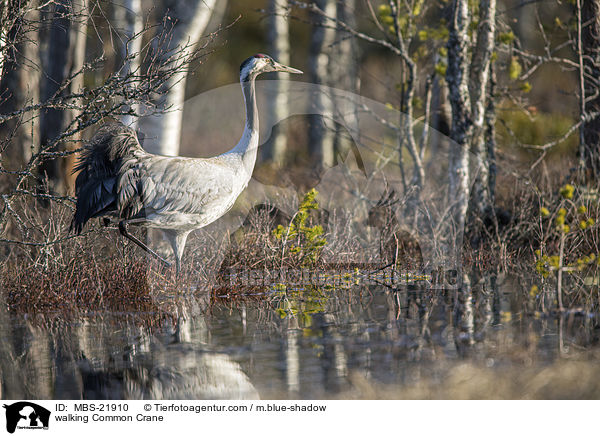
<point x="159" y="184"/>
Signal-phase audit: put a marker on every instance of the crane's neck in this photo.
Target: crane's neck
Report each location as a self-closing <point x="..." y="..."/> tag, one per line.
<point x="247" y="147"/>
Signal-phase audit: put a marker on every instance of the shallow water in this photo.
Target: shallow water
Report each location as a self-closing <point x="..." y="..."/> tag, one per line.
<point x="355" y="342"/>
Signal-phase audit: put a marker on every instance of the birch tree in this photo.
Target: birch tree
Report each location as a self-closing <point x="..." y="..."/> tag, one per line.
<point x="479" y="81"/>
<point x="130" y="21"/>
<point x="457" y="77"/>
<point x="465" y="62"/>
<point x="9" y="13"/>
<point x="182" y="28"/>
<point x="279" y="46"/>
<point x="468" y="79"/>
<point x="4" y="29"/>
<point x="321" y="138"/>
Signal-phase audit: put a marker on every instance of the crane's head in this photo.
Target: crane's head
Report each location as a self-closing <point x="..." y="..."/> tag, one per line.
<point x="260" y="63"/>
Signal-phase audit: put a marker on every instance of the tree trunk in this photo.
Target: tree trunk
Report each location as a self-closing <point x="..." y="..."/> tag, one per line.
<point x="344" y="74"/>
<point x="8" y="15"/>
<point x="183" y="27"/>
<point x="480" y="72"/>
<point x="590" y="39"/>
<point x="280" y="50"/>
<point x="5" y="28"/>
<point x="457" y="77"/>
<point x="64" y="51"/>
<point x="55" y="62"/>
<point x="441" y="113"/>
<point x="78" y="38"/>
<point x="321" y="136"/>
<point x="130" y="21"/>
<point x="490" y="135"/>
<point x="21" y="76"/>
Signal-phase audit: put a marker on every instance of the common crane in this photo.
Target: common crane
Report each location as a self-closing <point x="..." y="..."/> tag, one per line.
<point x="119" y="179"/>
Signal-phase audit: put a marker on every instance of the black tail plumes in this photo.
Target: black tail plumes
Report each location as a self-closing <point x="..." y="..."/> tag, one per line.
<point x="100" y="164"/>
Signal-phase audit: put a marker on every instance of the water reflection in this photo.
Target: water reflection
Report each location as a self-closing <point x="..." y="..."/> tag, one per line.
<point x="108" y="357"/>
<point x="307" y="343"/>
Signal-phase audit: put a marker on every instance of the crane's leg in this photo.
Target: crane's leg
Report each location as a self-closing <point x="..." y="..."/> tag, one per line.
<point x="177" y="241"/>
<point x="124" y="232"/>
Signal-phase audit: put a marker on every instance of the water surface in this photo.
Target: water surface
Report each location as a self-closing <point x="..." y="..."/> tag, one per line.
<point x="355" y="342"/>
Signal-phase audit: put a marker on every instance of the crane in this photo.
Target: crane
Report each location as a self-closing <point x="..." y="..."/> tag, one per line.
<point x="119" y="180"/>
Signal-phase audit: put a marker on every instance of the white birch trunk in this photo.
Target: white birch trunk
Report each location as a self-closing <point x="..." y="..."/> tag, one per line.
<point x="280" y="50"/>
<point x="163" y="131"/>
<point x="321" y="136"/>
<point x="130" y="20"/>
<point x="4" y="29"/>
<point x="457" y="78"/>
<point x="480" y="75"/>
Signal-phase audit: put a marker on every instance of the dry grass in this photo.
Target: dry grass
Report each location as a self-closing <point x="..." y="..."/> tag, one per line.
<point x="565" y="380"/>
<point x="74" y="275"/>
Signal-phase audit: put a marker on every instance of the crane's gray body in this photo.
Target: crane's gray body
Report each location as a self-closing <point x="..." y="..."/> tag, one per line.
<point x="180" y="194"/>
<point x="119" y="179"/>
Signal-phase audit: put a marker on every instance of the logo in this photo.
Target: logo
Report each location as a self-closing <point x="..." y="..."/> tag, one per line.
<point x="26" y="415"/>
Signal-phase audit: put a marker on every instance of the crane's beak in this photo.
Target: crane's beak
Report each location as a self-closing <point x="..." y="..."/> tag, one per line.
<point x="285" y="69"/>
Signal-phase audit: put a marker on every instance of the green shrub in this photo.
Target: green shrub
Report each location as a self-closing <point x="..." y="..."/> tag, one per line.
<point x="303" y="241"/>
